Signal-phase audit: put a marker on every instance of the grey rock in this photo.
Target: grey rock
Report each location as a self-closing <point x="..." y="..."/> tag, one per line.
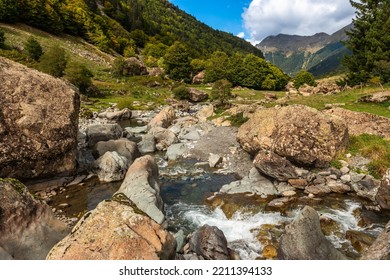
<point x="355" y="177"/>
<point x="274" y="166"/>
<point x="193" y="135"/>
<point x="214" y="160"/>
<point x="164" y="137"/>
<point x="175" y="151"/>
<point x="122" y="146"/>
<point x="147" y="144"/>
<point x="344" y="170"/>
<point x="383" y="195"/>
<point x="142" y="187"/>
<point x="28" y="227"/>
<point x="380" y="249"/>
<point x="210" y="243"/>
<point x="367" y="187"/>
<point x="180" y="240"/>
<point x="111" y="167"/>
<point x="102" y="132"/>
<point x="253" y="183"/>
<point x="303" y="239"/>
<point x="345" y="178"/>
<point x="137" y="129"/>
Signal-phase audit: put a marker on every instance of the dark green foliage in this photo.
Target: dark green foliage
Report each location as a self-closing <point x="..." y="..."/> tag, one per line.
<point x="54" y="61"/>
<point x="217" y="67"/>
<point x="177" y="62"/>
<point x="249" y="71"/>
<point x="369" y="41"/>
<point x="304" y="77"/>
<point x="221" y="93"/>
<point x="181" y="92"/>
<point x="2" y="39"/>
<point x="238" y="120"/>
<point x="33" y="49"/>
<point x="112" y="23"/>
<point x="79" y="75"/>
<point x="118" y="67"/>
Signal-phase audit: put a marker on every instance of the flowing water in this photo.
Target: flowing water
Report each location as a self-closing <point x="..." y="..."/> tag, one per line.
<point x="187" y="184"/>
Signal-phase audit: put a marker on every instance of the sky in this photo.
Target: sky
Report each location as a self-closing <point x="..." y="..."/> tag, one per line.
<point x="256" y="19"/>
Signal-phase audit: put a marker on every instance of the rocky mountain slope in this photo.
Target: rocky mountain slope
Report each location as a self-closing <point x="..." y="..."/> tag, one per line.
<point x="320" y="53"/>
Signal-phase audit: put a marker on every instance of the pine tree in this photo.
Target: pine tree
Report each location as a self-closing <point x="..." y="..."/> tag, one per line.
<point x="33" y="48"/>
<point x="369" y="41"/>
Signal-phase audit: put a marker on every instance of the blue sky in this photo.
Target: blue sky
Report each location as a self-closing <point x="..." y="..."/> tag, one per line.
<point x="257" y="19"/>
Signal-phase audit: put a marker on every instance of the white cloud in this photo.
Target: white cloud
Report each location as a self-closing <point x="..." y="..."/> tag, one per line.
<point x="300" y="17"/>
<point x="241" y="35"/>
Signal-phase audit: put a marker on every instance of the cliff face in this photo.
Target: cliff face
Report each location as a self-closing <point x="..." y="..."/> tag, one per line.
<point x="38" y="123"/>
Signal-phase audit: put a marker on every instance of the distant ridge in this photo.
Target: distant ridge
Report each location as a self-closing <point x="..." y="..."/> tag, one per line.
<point x="320" y="53"/>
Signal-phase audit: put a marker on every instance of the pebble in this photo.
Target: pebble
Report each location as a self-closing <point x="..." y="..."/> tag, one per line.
<point x="346" y="178"/>
<point x="289" y="193"/>
<point x="311" y="195"/>
<point x="64" y="205"/>
<point x="344" y="170"/>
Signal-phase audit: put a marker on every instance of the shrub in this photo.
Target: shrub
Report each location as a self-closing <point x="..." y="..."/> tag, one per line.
<point x="221" y="92"/>
<point x="181" y="92"/>
<point x="375" y="148"/>
<point x="2" y="38"/>
<point x="304" y="77"/>
<point x="118" y="67"/>
<point x="33" y="49"/>
<point x="54" y="61"/>
<point x="79" y="75"/>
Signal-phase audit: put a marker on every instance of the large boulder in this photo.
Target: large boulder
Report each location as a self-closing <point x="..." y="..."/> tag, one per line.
<point x="102" y="132"/>
<point x="115" y="230"/>
<point x="142" y="187"/>
<point x="383" y="194"/>
<point x="111" y="167"/>
<point x="134" y="67"/>
<point x="164" y="118"/>
<point x="210" y="243"/>
<point x="299" y="133"/>
<point x="38" y="123"/>
<point x="28" y="228"/>
<point x="380" y="249"/>
<point x="303" y="239"/>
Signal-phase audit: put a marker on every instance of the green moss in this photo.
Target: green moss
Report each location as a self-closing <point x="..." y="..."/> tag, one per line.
<point x="336" y="164"/>
<point x="375" y="148"/>
<point x="16" y="184"/>
<point x="123" y="199"/>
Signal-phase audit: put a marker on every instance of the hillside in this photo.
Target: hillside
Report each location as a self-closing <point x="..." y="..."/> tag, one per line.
<point x="319" y="54"/>
<point x="114" y="25"/>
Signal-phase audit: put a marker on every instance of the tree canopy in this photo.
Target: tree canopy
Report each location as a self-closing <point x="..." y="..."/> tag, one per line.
<point x="369" y="42"/>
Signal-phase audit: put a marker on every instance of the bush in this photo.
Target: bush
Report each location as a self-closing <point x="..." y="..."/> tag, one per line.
<point x="79" y="75"/>
<point x="221" y="92"/>
<point x="304" y="77"/>
<point x="118" y="67"/>
<point x="375" y="148"/>
<point x="54" y="61"/>
<point x="33" y="49"/>
<point x="2" y="38"/>
<point x="181" y="92"/>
